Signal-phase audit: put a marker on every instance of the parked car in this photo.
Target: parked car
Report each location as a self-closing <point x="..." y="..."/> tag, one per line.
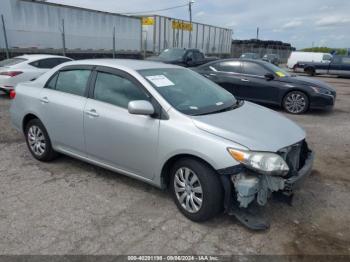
<point x="262" y="82"/>
<point x="249" y="56"/>
<point x="167" y="126"/>
<point x="297" y="56"/>
<point x="26" y="68"/>
<point x="272" y="58"/>
<point x="182" y="57"/>
<point x="339" y="65"/>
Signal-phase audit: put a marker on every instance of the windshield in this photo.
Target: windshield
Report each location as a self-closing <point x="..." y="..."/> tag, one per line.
<point x="11" y="61"/>
<point x="277" y="70"/>
<point x="189" y="92"/>
<point x="172" y="54"/>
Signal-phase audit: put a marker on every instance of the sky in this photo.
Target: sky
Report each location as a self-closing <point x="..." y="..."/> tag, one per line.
<point x="303" y="23"/>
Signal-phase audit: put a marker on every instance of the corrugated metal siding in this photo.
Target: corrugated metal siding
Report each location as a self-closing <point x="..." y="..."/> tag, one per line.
<point x="39" y="25"/>
<point x="161" y="35"/>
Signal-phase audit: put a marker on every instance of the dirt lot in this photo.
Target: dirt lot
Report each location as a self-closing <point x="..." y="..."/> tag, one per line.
<point x="70" y="207"/>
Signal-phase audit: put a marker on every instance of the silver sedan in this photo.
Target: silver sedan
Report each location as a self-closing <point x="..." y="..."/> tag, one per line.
<point x="167" y="126"/>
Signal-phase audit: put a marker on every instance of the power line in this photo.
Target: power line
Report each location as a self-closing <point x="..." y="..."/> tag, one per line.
<point x="153" y="11"/>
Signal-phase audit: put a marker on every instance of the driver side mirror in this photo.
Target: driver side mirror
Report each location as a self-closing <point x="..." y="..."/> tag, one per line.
<point x="140" y="107"/>
<point x="269" y="76"/>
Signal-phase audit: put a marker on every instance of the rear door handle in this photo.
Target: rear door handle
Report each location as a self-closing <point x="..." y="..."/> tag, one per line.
<point x="92" y="113"/>
<point x="44" y="100"/>
<point x="244" y="80"/>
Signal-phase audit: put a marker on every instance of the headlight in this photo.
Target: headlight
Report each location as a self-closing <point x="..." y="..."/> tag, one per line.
<point x="262" y="162"/>
<point x="321" y="90"/>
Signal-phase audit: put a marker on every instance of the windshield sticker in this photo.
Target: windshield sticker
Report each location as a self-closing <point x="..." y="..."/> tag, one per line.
<point x="160" y="80"/>
<point x="219" y="103"/>
<point x="193" y="107"/>
<point x="280" y="74"/>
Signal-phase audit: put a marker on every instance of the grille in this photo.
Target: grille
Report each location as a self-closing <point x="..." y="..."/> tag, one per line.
<point x="295" y="156"/>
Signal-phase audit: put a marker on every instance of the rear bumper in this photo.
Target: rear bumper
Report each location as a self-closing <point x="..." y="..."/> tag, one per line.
<point x="6" y="88"/>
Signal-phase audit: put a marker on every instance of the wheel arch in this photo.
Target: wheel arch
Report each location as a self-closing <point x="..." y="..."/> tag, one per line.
<point x="311" y="69"/>
<point x="165" y="171"/>
<point x="291" y="90"/>
<point x="28" y="117"/>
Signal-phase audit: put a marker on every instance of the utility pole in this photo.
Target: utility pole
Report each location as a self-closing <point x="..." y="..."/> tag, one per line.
<point x="113" y="44"/>
<point x="63" y="39"/>
<point x="257" y="33"/>
<point x="190" y="3"/>
<point x="5" y="37"/>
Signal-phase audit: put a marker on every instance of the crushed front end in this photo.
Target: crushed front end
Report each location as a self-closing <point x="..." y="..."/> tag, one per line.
<point x="244" y="186"/>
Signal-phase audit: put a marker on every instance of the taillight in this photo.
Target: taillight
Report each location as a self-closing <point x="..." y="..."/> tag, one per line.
<point x="11" y="73"/>
<point x="12" y="94"/>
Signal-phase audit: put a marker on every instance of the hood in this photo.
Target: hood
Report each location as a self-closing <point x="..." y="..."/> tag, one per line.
<point x="302" y="80"/>
<point x="154" y="58"/>
<point x="160" y="59"/>
<point x="253" y="126"/>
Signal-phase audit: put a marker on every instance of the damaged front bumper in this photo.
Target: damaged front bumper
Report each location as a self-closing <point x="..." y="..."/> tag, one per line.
<point x="243" y="186"/>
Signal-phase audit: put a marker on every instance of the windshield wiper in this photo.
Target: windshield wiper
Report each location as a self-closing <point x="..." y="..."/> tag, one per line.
<point x="229" y="108"/>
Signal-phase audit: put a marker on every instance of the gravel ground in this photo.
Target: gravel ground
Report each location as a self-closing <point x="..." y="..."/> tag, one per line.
<point x="70" y="207"/>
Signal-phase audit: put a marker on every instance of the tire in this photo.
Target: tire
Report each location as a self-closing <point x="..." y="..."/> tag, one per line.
<point x="38" y="141"/>
<point x="295" y="102"/>
<point x="208" y="183"/>
<point x="310" y="71"/>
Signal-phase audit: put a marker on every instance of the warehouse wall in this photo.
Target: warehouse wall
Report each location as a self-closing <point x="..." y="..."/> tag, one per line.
<point x="162" y="34"/>
<point x="39" y="25"/>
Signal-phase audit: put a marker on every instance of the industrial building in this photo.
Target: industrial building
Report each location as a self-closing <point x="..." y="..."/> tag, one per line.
<point x="42" y="27"/>
<point x="261" y="47"/>
<point x="160" y="32"/>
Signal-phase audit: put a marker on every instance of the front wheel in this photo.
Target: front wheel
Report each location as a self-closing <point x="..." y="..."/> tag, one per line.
<point x="296" y="102"/>
<point x="196" y="189"/>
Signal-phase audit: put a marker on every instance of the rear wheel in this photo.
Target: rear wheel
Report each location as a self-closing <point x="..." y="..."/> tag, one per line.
<point x="38" y="141"/>
<point x="196" y="189"/>
<point x="310" y="71"/>
<point x="296" y="102"/>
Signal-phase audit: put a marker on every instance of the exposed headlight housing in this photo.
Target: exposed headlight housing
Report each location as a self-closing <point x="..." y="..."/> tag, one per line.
<point x="262" y="162"/>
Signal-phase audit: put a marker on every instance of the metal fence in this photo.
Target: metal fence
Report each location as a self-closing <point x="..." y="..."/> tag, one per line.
<point x="261" y="48"/>
<point x="160" y="32"/>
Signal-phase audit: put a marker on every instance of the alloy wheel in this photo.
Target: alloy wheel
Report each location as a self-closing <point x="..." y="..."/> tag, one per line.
<point x="36" y="140"/>
<point x="295" y="103"/>
<point x="188" y="189"/>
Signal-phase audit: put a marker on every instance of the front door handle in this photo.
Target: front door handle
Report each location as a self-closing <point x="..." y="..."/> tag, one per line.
<point x="44" y="100"/>
<point x="92" y="113"/>
<point x="244" y="80"/>
<point x="210" y="75"/>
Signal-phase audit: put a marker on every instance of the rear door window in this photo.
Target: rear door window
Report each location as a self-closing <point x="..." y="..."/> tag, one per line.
<point x="251" y="68"/>
<point x="73" y="81"/>
<point x="230" y="66"/>
<point x="49" y="63"/>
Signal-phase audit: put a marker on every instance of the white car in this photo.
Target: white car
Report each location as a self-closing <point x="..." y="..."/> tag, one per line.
<point x="26" y="68"/>
<point x="299" y="56"/>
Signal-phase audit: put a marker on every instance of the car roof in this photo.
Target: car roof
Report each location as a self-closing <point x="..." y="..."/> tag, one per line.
<point x="125" y="63"/>
<point x="236" y="59"/>
<point x="39" y="56"/>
